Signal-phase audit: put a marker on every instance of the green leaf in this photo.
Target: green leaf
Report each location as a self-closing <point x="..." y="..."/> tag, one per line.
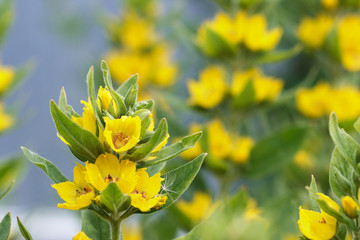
<point x="277" y="56"/>
<point x="113" y="199"/>
<point x="23" y="230"/>
<point x="148" y="104"/>
<point x="91" y="92"/>
<point x="247" y="96"/>
<point x="94" y="226"/>
<point x="145" y="149"/>
<point x="173" y="150"/>
<point x="121" y="107"/>
<point x="275" y="151"/>
<point x="48" y="167"/>
<point x="62" y="100"/>
<point x="215" y="45"/>
<point x="5" y="225"/>
<point x="125" y="88"/>
<point x="6" y="17"/>
<point x="10" y="169"/>
<point x="144" y="115"/>
<point x="178" y="180"/>
<point x="313" y="190"/>
<point x="7" y="190"/>
<point x="131" y="98"/>
<point x="341" y="176"/>
<point x="343" y="141"/>
<point x="82" y="141"/>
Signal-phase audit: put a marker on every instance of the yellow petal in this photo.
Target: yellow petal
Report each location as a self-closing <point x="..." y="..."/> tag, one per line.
<point x="81" y="236"/>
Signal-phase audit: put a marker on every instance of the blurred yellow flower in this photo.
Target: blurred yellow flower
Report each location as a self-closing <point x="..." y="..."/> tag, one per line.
<point x="145" y="195"/>
<point x="318" y="226"/>
<point x="6" y="77"/>
<point x="330" y="4"/>
<point x="135" y="32"/>
<point x="350" y="206"/>
<point x="257" y="37"/>
<point x="77" y="194"/>
<point x="241" y="149"/>
<point x="164" y="71"/>
<point x="209" y="91"/>
<point x="266" y="88"/>
<point x="349" y="38"/>
<point x="122" y="134"/>
<point x="81" y="236"/>
<point x="303" y="159"/>
<point x="105" y="100"/>
<point x="198" y="209"/>
<point x="252" y="212"/>
<point x="6" y="120"/>
<point x="313" y="102"/>
<point x="131" y="232"/>
<point x="313" y="31"/>
<point x="219" y="140"/>
<point x="196" y="150"/>
<point x="345" y="102"/>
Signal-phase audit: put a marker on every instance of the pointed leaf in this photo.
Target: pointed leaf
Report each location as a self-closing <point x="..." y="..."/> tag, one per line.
<point x="7" y="190"/>
<point x="247" y="96"/>
<point x="178" y="180"/>
<point x="113" y="199"/>
<point x="313" y="195"/>
<point x="81" y="140"/>
<point x="23" y="230"/>
<point x="48" y="167"/>
<point x="148" y="104"/>
<point x="276" y="56"/>
<point x="125" y="88"/>
<point x="62" y="100"/>
<point x="91" y="92"/>
<point x="173" y="150"/>
<point x="5" y="226"/>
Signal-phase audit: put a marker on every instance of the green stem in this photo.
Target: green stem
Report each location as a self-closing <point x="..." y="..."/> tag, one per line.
<point x="115" y="229"/>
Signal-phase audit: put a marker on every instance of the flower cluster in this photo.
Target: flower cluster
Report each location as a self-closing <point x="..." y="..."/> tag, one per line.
<point x="323" y="99"/>
<point x="251" y="30"/>
<point x="139" y="49"/>
<point x="212" y="87"/>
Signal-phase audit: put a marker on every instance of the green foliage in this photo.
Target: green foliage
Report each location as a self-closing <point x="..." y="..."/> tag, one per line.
<point x="48" y="167"/>
<point x="274" y="151"/>
<point x="23" y="230"/>
<point x="313" y="190"/>
<point x="94" y="226"/>
<point x="113" y="199"/>
<point x="6" y="17"/>
<point x="247" y="95"/>
<point x="5" y="225"/>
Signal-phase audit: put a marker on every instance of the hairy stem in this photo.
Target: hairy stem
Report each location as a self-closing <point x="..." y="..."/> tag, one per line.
<point x="115" y="230"/>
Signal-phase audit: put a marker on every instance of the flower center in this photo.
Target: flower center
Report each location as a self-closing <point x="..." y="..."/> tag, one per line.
<point x="109" y="178"/>
<point x="83" y="191"/>
<point x="322" y="221"/>
<point x="143" y="194"/>
<point x="120" y="140"/>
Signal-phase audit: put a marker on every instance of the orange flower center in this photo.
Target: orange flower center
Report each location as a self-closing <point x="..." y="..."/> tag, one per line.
<point x="109" y="178"/>
<point x="120" y="139"/>
<point x="83" y="191"/>
<point x="143" y="194"/>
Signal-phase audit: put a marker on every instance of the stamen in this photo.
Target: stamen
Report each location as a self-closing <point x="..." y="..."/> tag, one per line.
<point x="120" y="140"/>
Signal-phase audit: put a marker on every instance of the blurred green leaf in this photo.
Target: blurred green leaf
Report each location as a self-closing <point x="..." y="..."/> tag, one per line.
<point x="23" y="230"/>
<point x="214" y="45"/>
<point x="48" y="167"/>
<point x="81" y="141"/>
<point x="113" y="199"/>
<point x="277" y="56"/>
<point x="145" y="149"/>
<point x="173" y="150"/>
<point x="11" y="169"/>
<point x="178" y="180"/>
<point x="5" y="226"/>
<point x="7" y="190"/>
<point x="247" y="96"/>
<point x="94" y="226"/>
<point x="275" y="151"/>
<point x="6" y="17"/>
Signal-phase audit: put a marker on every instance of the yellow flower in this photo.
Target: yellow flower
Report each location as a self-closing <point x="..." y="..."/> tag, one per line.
<point x="198" y="209"/>
<point x="162" y="144"/>
<point x="209" y="91"/>
<point x="131" y="232"/>
<point x="252" y="212"/>
<point x="145" y="196"/>
<point x="196" y="150"/>
<point x="257" y="38"/>
<point x="88" y="120"/>
<point x="350" y="206"/>
<point x="122" y="134"/>
<point x="81" y="236"/>
<point x="313" y="31"/>
<point x="241" y="148"/>
<point x="349" y="38"/>
<point x="6" y="77"/>
<point x="105" y="100"/>
<point x="219" y="140"/>
<point x="345" y="102"/>
<point x="315" y="225"/>
<point x="6" y="120"/>
<point x="330" y="4"/>
<point x="136" y="33"/>
<point x="164" y="71"/>
<point x="303" y="159"/>
<point x="77" y="194"/>
<point x="107" y="168"/>
<point x="266" y="88"/>
<point x="313" y="102"/>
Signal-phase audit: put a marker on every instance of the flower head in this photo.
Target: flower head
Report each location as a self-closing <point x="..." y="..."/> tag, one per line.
<point x="241" y="149"/>
<point x="219" y="140"/>
<point x="199" y="208"/>
<point x="77" y="194"/>
<point x="209" y="91"/>
<point x="6" y="120"/>
<point x="122" y="134"/>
